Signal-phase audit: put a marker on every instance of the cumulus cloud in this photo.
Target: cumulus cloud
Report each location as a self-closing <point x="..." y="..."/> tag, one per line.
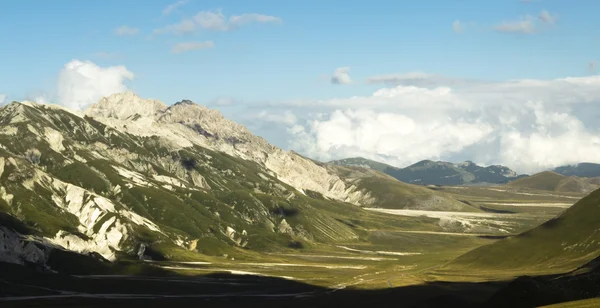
<point x="215" y="21"/>
<point x="458" y="27"/>
<point x="189" y="46"/>
<point x="528" y="125"/>
<point x="341" y="76"/>
<point x="172" y="7"/>
<point x="126" y="31"/>
<point x="82" y="83"/>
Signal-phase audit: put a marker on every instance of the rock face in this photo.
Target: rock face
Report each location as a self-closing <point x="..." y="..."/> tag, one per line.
<point x="187" y="124"/>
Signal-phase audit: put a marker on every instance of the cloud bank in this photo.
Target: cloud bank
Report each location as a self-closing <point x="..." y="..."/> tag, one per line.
<point x="529" y="125"/>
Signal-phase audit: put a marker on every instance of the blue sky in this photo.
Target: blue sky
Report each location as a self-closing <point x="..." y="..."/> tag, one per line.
<point x="286" y="60"/>
<point x="287" y="53"/>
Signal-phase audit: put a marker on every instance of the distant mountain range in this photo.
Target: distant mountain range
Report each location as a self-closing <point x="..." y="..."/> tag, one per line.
<point x="588" y="170"/>
<point x="428" y="172"/>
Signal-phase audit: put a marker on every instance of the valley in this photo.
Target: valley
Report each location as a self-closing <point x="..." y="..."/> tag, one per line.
<point x="148" y="202"/>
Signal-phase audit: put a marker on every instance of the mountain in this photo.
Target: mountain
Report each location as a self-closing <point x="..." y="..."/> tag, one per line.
<point x="559" y="245"/>
<point x="588" y="170"/>
<point x="135" y="178"/>
<point x="364" y="163"/>
<point x="552" y="181"/>
<point x="393" y="194"/>
<point x="429" y="172"/>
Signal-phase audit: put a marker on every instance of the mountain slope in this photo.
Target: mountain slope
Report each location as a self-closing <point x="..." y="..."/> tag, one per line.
<point x="559" y="245"/>
<point x="429" y="172"/>
<point x="551" y="181"/>
<point x="363" y="162"/>
<point x="588" y="170"/>
<point x="188" y="181"/>
<point x="388" y="192"/>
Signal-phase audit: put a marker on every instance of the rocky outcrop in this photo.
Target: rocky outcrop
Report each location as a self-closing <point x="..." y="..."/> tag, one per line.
<point x="104" y="224"/>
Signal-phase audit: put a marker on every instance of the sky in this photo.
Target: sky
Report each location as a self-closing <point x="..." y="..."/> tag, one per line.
<point x="512" y="82"/>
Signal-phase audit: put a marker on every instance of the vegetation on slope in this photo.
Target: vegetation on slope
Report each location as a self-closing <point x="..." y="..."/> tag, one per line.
<point x="561" y="244"/>
<point x="552" y="181"/>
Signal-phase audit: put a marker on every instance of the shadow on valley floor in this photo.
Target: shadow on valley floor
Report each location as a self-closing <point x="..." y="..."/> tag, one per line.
<point x="26" y="287"/>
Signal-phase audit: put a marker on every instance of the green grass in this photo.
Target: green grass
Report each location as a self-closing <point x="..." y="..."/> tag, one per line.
<point x="558" y="245"/>
<point x="81" y="175"/>
<point x="397" y="195"/>
<point x="551" y="181"/>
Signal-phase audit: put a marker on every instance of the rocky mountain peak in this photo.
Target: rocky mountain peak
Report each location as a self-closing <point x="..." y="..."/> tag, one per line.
<point x="467" y="163"/>
<point x="186" y="124"/>
<point x="125" y="106"/>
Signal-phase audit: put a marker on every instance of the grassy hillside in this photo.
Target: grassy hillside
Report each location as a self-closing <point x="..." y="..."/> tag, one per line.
<point x="552" y="181"/>
<point x="561" y="244"/>
<point x="387" y="192"/>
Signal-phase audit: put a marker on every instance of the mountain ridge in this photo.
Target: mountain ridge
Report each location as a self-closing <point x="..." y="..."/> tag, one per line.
<point x="429" y="172"/>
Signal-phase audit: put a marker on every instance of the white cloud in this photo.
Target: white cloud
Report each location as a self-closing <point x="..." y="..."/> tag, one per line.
<point x="222" y="101"/>
<point x="126" y="31"/>
<point x="524" y="25"/>
<point x="215" y="21"/>
<point x="527" y="24"/>
<point x="172" y="7"/>
<point x="189" y="46"/>
<point x="419" y="79"/>
<point x="341" y="76"/>
<point x="82" y="83"/>
<point x="529" y="125"/>
<point x="458" y="27"/>
<point x="547" y="18"/>
<point x="2" y="99"/>
<point x="286" y="117"/>
<point x="240" y="20"/>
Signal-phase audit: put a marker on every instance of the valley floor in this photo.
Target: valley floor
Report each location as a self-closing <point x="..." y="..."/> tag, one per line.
<point x="392" y="266"/>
